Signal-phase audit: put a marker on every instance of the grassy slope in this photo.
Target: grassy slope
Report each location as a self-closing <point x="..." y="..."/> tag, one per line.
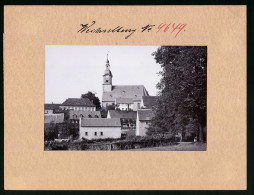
<point x="183" y="146"/>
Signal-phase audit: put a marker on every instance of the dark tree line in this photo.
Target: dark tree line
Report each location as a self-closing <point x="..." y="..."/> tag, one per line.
<point x="182" y="89"/>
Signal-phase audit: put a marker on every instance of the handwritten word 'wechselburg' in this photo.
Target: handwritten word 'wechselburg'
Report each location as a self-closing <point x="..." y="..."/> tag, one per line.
<point x="119" y="29"/>
<point x="172" y="28"/>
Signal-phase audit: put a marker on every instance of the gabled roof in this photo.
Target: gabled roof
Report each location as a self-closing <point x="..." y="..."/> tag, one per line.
<point x="145" y="114"/>
<point x="100" y="122"/>
<point x="149" y="100"/>
<point x="78" y="102"/>
<point x="125" y="91"/>
<point x="124" y="100"/>
<point x="85" y="114"/>
<point x="54" y="118"/>
<point x="51" y="106"/>
<point x="122" y="114"/>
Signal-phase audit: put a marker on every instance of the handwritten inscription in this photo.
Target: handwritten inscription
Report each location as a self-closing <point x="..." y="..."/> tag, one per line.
<point x="173" y="28"/>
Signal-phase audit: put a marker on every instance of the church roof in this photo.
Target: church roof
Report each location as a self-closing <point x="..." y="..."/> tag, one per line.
<point x="83" y="113"/>
<point x="124" y="100"/>
<point x="122" y="114"/>
<point x="78" y="102"/>
<point x="100" y="122"/>
<point x="145" y="114"/>
<point x="125" y="91"/>
<point x="149" y="100"/>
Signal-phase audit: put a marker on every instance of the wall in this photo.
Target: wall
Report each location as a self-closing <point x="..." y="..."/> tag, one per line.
<point x="107" y="88"/>
<point x="135" y="105"/>
<point x="125" y="106"/>
<point x="108" y="132"/>
<point x="48" y="111"/>
<point x="141" y="128"/>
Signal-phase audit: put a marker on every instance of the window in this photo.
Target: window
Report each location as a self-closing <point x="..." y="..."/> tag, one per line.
<point x="90" y="116"/>
<point x="138" y="105"/>
<point x="106" y="81"/>
<point x="96" y="116"/>
<point x="101" y="133"/>
<point x="95" y="133"/>
<point x="86" y="133"/>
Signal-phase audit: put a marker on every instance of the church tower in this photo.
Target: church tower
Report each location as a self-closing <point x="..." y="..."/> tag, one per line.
<point x="107" y="78"/>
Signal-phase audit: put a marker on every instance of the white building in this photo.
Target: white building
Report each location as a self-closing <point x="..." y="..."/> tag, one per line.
<point x="144" y="117"/>
<point x="100" y="128"/>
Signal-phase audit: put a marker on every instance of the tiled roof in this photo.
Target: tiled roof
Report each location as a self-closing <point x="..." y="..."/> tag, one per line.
<point x="125" y="91"/>
<point x="78" y="102"/>
<point x="145" y="114"/>
<point x="54" y="118"/>
<point x="122" y="114"/>
<point x="124" y="100"/>
<point x="85" y="114"/>
<point x="51" y="106"/>
<point x="149" y="100"/>
<point x="100" y="122"/>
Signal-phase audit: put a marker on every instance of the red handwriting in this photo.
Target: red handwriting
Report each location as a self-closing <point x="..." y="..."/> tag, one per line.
<point x="171" y="27"/>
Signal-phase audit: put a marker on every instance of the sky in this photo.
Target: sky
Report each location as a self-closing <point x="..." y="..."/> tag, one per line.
<point x="74" y="70"/>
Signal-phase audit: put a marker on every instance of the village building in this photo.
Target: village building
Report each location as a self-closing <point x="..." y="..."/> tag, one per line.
<point x="148" y="102"/>
<point x="100" y="128"/>
<point x="76" y="115"/>
<point x="78" y="104"/>
<point x="127" y="118"/>
<point x="125" y="96"/>
<point x="51" y="108"/>
<point x="144" y="117"/>
<point x="54" y="118"/>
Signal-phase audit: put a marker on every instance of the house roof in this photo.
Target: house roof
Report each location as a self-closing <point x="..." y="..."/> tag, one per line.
<point x="100" y="122"/>
<point x="145" y="114"/>
<point x="149" y="100"/>
<point x="125" y="91"/>
<point x="122" y="114"/>
<point x="78" y="102"/>
<point x="124" y="100"/>
<point x="84" y="113"/>
<point x="54" y="118"/>
<point x="51" y="106"/>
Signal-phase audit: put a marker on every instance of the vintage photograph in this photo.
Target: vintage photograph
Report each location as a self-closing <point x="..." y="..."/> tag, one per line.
<point x="137" y="98"/>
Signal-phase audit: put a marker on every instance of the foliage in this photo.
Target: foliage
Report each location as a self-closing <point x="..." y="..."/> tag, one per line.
<point x="182" y="89"/>
<point x="104" y="111"/>
<point x="91" y="96"/>
<point x="50" y="131"/>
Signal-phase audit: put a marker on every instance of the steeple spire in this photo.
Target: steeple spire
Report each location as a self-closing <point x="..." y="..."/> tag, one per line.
<point x="107" y="59"/>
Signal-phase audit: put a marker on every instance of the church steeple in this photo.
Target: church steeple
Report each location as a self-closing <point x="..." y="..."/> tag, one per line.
<point x="107" y="78"/>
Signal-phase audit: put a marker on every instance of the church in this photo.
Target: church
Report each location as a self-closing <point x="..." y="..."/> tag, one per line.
<point x="123" y="97"/>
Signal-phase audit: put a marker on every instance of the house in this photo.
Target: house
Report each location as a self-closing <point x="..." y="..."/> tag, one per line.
<point x="51" y="108"/>
<point x="100" y="128"/>
<point x="78" y="104"/>
<point x="144" y="117"/>
<point x="124" y="103"/>
<point x="127" y="118"/>
<point x="148" y="102"/>
<point x="125" y="96"/>
<point x="75" y="115"/>
<point x="54" y="118"/>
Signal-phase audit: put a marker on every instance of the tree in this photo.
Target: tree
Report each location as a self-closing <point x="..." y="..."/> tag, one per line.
<point x="182" y="89"/>
<point x="91" y="96"/>
<point x="104" y="111"/>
